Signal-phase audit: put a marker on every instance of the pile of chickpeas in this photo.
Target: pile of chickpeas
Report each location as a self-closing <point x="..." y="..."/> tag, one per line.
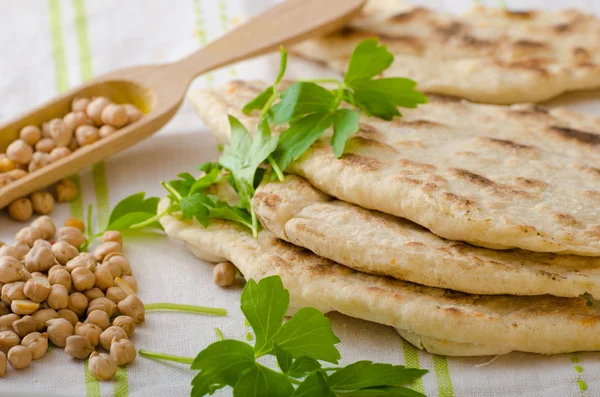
<point x="89" y="120"/>
<point x="76" y="300"/>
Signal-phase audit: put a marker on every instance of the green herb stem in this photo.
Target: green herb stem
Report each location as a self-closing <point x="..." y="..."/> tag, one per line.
<point x="294" y="381"/>
<point x="276" y="168"/>
<point x="89" y="222"/>
<point x="320" y="81"/>
<point x="254" y="223"/>
<point x="269" y="103"/>
<point x="170" y="189"/>
<point x="219" y="334"/>
<point x="166" y="357"/>
<point x="186" y="308"/>
<point x="150" y="220"/>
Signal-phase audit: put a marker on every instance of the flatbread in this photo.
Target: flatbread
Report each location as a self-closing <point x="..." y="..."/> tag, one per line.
<point x="487" y="55"/>
<point x="540" y="324"/>
<point x="500" y="177"/>
<point x="373" y="242"/>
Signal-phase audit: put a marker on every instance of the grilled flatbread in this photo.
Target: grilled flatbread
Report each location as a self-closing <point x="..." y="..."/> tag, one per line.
<point x="540" y="324"/>
<point x="499" y="177"/>
<point x="487" y="55"/>
<point x="377" y="243"/>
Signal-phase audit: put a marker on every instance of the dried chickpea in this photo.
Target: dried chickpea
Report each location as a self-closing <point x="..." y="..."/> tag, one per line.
<point x="2" y="364"/>
<point x="115" y="115"/>
<point x="60" y="277"/>
<point x="37" y="289"/>
<point x="122" y="351"/>
<point x="106" y="130"/>
<point x="59" y="330"/>
<point x="24" y="326"/>
<point x="106" y="337"/>
<point x="5" y="180"/>
<point x="36" y="343"/>
<point x="99" y="318"/>
<point x="58" y="298"/>
<point x="69" y="316"/>
<point x="42" y="202"/>
<point x="21" y="209"/>
<point x="78" y="303"/>
<point x="84" y="259"/>
<point x="86" y="135"/>
<point x="17" y="251"/>
<point x="19" y="151"/>
<point x="104" y="278"/>
<point x="131" y="281"/>
<point x="224" y="274"/>
<point x="8" y="339"/>
<point x="43" y="243"/>
<point x="95" y="108"/>
<point x="64" y="252"/>
<point x="71" y="235"/>
<point x="119" y="260"/>
<point x="10" y="269"/>
<point x="90" y="331"/>
<point x="46" y="129"/>
<point x="19" y="357"/>
<point x="75" y="119"/>
<point x="113" y="268"/>
<point x="106" y="248"/>
<point x="82" y="279"/>
<point x="78" y="346"/>
<point x="133" y="307"/>
<point x="102" y="366"/>
<point x="43" y="315"/>
<point x="65" y="191"/>
<point x="7" y="320"/>
<point x="93" y="293"/>
<point x="80" y="104"/>
<point x="30" y="134"/>
<point x="112" y="236"/>
<point x="13" y="291"/>
<point x="28" y="235"/>
<point x="133" y="113"/>
<point x="116" y="294"/>
<point x="59" y="153"/>
<point x="17" y="174"/>
<point x="39" y="259"/>
<point x="74" y="222"/>
<point x="45" y="145"/>
<point x="6" y="164"/>
<point x="126" y="323"/>
<point x="60" y="132"/>
<point x="104" y="304"/>
<point x="46" y="225"/>
<point x="73" y="146"/>
<point x="24" y="306"/>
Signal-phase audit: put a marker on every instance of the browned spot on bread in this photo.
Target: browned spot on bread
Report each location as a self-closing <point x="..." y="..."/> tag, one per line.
<point x="584" y="137"/>
<point x="367" y="130"/>
<point x="472" y="42"/>
<point x="561" y="27"/>
<point x="593" y="232"/>
<point x="530" y="44"/>
<point x="414" y="244"/>
<point x="364" y="142"/>
<point x="591" y="170"/>
<point x="269" y="200"/>
<point x="301" y="227"/>
<point x="466" y="154"/>
<point x="528" y="229"/>
<point x="533" y="64"/>
<point x="416" y="166"/>
<point x="593" y="194"/>
<point x="430" y="187"/>
<point x="453" y="311"/>
<point x="522" y="15"/>
<point x="403" y="41"/>
<point x="565" y="219"/>
<point x="459" y="201"/>
<point x="436" y="178"/>
<point x="410" y="15"/>
<point x="410" y="181"/>
<point x="506" y="144"/>
<point x="531" y="183"/>
<point x="524" y="108"/>
<point x="368" y="164"/>
<point x="415" y="123"/>
<point x="450" y="29"/>
<point x="581" y="55"/>
<point x="498" y="189"/>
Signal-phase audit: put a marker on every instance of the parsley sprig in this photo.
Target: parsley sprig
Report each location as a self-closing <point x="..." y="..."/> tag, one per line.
<point x="299" y="345"/>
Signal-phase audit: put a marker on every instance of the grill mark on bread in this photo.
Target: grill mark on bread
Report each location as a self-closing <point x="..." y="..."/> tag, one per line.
<point x="416" y="123"/>
<point x="301" y="227"/>
<point x="531" y="183"/>
<point x="459" y="201"/>
<point x="269" y="200"/>
<point x="530" y="44"/>
<point x="410" y="15"/>
<point x="581" y="55"/>
<point x="359" y="140"/>
<point x="481" y="181"/>
<point x="405" y="39"/>
<point x="416" y="166"/>
<point x="473" y="42"/>
<point x="565" y="219"/>
<point x="584" y="137"/>
<point x="368" y="164"/>
<point x="450" y="29"/>
<point x="505" y="143"/>
<point x="522" y="15"/>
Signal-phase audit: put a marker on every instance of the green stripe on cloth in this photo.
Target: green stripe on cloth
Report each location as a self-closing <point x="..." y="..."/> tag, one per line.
<point x="76" y="206"/>
<point x="411" y="360"/>
<point x="581" y="384"/>
<point x="442" y="374"/>
<point x="58" y="46"/>
<point x="201" y="32"/>
<point x="92" y="385"/>
<point x="121" y="387"/>
<point x="225" y="25"/>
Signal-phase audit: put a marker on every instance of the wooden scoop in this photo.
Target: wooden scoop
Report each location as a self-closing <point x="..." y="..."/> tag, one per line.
<point x="158" y="90"/>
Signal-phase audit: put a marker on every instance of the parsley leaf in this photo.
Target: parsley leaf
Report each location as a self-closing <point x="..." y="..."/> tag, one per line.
<point x="220" y="364"/>
<point x="270" y="93"/>
<point x="367" y="61"/>
<point x="315" y="384"/>
<point x="308" y="333"/>
<point x="345" y="123"/>
<point x="365" y="374"/>
<point x="284" y="359"/>
<point x="302" y="366"/>
<point x="196" y="206"/>
<point x="133" y="209"/>
<point x="302" y="99"/>
<point x="260" y="381"/>
<point x="264" y="304"/>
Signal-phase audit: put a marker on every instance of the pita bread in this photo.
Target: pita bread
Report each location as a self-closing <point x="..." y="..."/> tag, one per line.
<point x="540" y="324"/>
<point x="494" y="176"/>
<point x="373" y="242"/>
<point x="488" y="55"/>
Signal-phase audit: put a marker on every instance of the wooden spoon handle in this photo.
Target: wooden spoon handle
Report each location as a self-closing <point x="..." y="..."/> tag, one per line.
<point x="285" y="24"/>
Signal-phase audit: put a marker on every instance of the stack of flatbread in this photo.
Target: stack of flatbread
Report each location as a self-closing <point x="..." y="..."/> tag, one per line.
<point x="472" y="229"/>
